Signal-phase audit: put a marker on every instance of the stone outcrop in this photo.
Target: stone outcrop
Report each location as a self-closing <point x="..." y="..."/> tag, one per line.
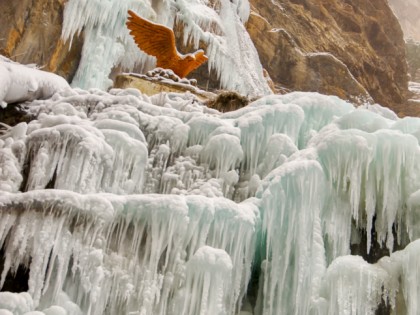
<point x="30" y="32"/>
<point x="361" y="41"/>
<point x="413" y="59"/>
<point x="408" y="12"/>
<point x="154" y="85"/>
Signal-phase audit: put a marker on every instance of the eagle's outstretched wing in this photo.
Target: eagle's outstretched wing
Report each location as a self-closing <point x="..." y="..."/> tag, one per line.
<point x="154" y="39"/>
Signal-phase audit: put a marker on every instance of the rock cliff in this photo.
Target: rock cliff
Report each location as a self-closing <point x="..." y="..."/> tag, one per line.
<point x="413" y="59"/>
<point x="361" y="45"/>
<point x="30" y="32"/>
<point x="353" y="49"/>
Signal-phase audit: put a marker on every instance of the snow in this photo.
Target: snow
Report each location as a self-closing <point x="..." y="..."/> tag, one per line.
<point x="414" y="87"/>
<point x="120" y="203"/>
<point x="22" y="304"/>
<point x="19" y="83"/>
<point x="17" y="303"/>
<point x="108" y="44"/>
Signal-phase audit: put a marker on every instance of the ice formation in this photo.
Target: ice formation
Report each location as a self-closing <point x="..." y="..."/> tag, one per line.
<point x="218" y="25"/>
<point x="208" y="280"/>
<point x="120" y="203"/>
<point x="294" y="248"/>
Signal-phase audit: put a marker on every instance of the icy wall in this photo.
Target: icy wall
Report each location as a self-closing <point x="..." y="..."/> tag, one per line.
<point x="119" y="203"/>
<point x="217" y="24"/>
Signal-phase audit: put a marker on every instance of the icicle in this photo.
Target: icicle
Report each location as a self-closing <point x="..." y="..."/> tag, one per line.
<point x="10" y="168"/>
<point x="320" y="110"/>
<point x="234" y="230"/>
<point x="222" y="152"/>
<point x="132" y="249"/>
<point x="352" y="286"/>
<point x="208" y="280"/>
<point x="403" y="266"/>
<point x="345" y="157"/>
<point x="291" y="201"/>
<point x="127" y="173"/>
<point x="40" y="239"/>
<point x="369" y="177"/>
<point x="260" y="124"/>
<point x="56" y="152"/>
<point x="279" y="148"/>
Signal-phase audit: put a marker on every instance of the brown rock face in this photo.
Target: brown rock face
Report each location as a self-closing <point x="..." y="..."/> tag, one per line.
<point x="363" y="40"/>
<point x="30" y="32"/>
<point x="413" y="59"/>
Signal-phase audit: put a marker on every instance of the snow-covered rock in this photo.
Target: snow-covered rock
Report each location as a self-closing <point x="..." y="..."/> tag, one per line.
<point x="20" y="83"/>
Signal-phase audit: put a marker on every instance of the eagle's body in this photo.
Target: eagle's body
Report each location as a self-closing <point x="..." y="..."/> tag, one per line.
<point x="159" y="41"/>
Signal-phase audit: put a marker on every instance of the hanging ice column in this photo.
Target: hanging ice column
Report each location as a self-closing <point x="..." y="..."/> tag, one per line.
<point x="370" y="177"/>
<point x="208" y="282"/>
<point x="231" y="51"/>
<point x="120" y="254"/>
<point x="106" y="40"/>
<point x="352" y="286"/>
<point x="220" y="27"/>
<point x="291" y="201"/>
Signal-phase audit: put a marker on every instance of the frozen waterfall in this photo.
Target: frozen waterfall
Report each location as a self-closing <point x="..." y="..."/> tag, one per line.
<point x="121" y="203"/>
<point x="218" y="25"/>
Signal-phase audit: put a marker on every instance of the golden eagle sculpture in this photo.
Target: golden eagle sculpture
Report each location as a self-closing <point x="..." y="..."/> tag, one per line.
<point x="159" y="41"/>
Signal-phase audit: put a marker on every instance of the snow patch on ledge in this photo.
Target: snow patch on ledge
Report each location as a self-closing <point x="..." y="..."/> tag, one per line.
<point x="20" y="83"/>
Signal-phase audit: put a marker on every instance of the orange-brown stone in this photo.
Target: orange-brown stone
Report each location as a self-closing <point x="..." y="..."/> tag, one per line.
<point x="159" y="41"/>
